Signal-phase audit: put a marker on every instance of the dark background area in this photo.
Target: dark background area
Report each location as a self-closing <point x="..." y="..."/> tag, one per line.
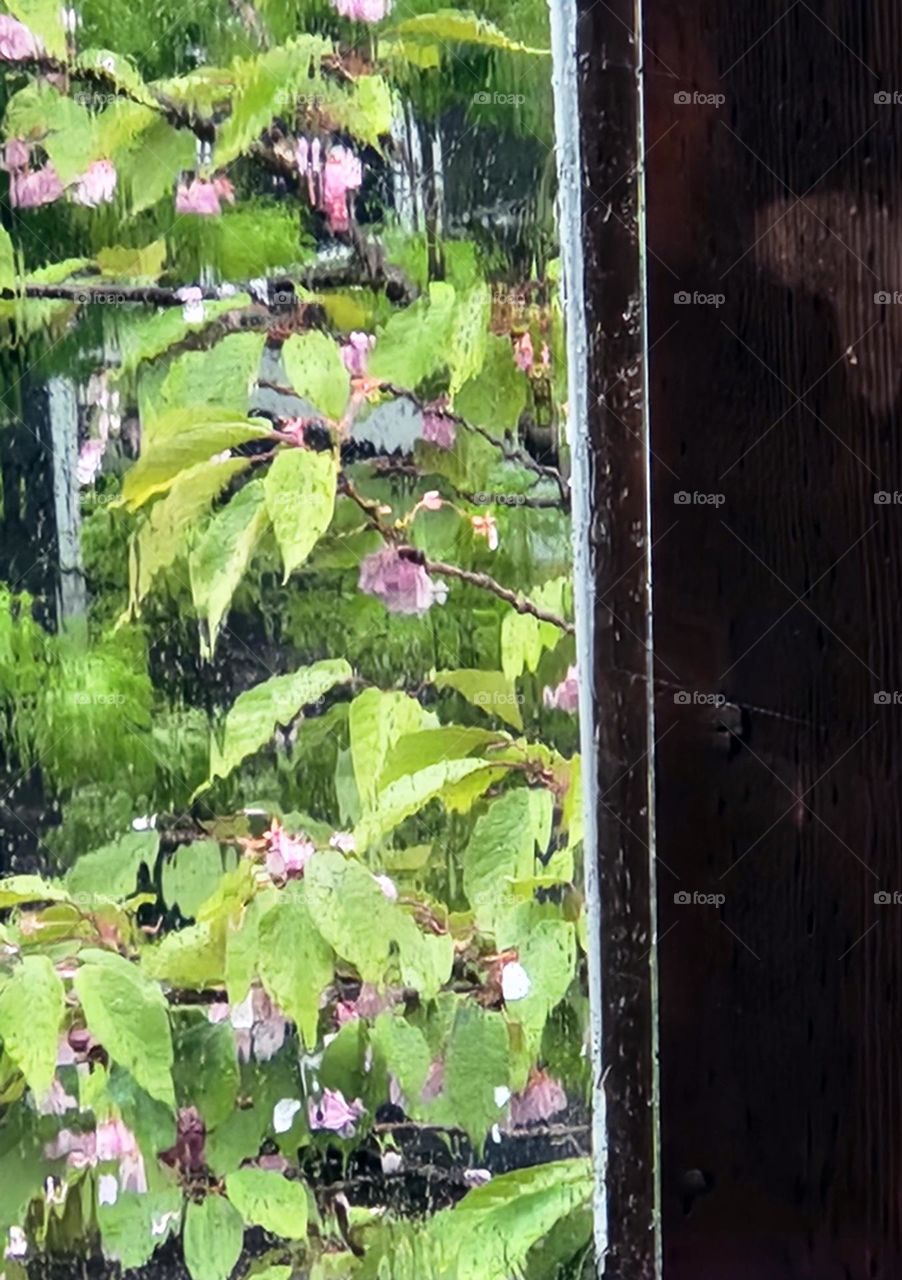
<point x="780" y="1007"/>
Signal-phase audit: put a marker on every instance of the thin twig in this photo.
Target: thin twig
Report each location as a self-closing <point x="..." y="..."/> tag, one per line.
<point x="486" y="583"/>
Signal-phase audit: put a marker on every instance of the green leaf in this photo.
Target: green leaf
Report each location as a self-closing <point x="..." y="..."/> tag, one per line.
<point x="193" y="958"/>
<point x="376" y="720"/>
<point x="491" y="1230"/>
<point x="18" y="889"/>
<point x="296" y="963"/>
<point x="417" y="341"/>
<point x="220" y="379"/>
<point x="126" y="1227"/>
<point x="138" y="264"/>
<point x="118" y="71"/>
<point x="261" y="89"/>
<point x="476" y="1064"/>
<point x="206" y="1068"/>
<point x="170" y="522"/>
<point x="453" y="26"/>
<point x="31" y="1013"/>
<point x="267" y="1199"/>
<point x="300" y="498"/>
<point x="351" y="912"/>
<point x="191" y="875"/>
<point x="405" y="1051"/>
<point x="502" y="849"/>
<point x="203" y="434"/>
<point x="222" y="555"/>
<point x="492" y="691"/>
<point x="316" y="372"/>
<point x="414" y="791"/>
<point x="496" y="396"/>
<point x="212" y="1239"/>
<point x="8" y="274"/>
<point x="111" y="873"/>
<point x="468" y="340"/>
<point x="253" y="717"/>
<point x="128" y="1014"/>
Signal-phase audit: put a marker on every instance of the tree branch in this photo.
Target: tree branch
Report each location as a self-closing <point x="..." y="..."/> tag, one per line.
<point x="487" y="583"/>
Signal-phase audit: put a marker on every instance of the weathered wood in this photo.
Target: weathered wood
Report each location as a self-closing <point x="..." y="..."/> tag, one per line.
<point x="776" y="387"/>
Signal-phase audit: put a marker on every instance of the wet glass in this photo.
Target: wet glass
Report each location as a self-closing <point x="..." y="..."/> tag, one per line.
<point x="292" y="921"/>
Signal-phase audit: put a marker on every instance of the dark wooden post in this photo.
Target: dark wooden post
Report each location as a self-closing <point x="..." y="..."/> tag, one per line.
<point x="599" y="132"/>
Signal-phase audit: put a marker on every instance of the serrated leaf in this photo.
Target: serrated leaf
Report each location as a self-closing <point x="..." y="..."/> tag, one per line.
<point x="376" y="721"/>
<point x="476" y="1064"/>
<point x="18" y="889"/>
<point x="267" y="1199"/>
<point x="405" y="1051"/>
<point x="495" y="397"/>
<point x="316" y="372"/>
<point x="453" y="26"/>
<point x="253" y="717"/>
<point x="126" y="1226"/>
<point x="492" y="691"/>
<point x="502" y="849"/>
<point x="145" y="263"/>
<point x="164" y="536"/>
<point x="206" y="1067"/>
<point x="300" y="498"/>
<point x="192" y="958"/>
<point x="218" y="379"/>
<point x="417" y="341"/>
<point x="221" y="557"/>
<point x="295" y="962"/>
<point x="212" y="1239"/>
<point x="414" y="791"/>
<point x="261" y="87"/>
<point x="111" y="872"/>
<point x="468" y="342"/>
<point x="116" y="70"/>
<point x="31" y="1013"/>
<point x="8" y="274"/>
<point x="191" y="875"/>
<point x="198" y="441"/>
<point x="128" y="1014"/>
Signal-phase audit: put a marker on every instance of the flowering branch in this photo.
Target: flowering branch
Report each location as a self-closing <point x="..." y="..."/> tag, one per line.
<point x="485" y="582"/>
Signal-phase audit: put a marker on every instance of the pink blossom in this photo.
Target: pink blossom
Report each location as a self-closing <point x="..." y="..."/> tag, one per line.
<point x="565" y="696"/>
<point x="355" y="352"/>
<point x="17" y="42"/>
<point x="435" y="1080"/>
<point x="335" y="1113"/>
<point x="287" y="856"/>
<point x="343" y="841"/>
<point x="476" y="1177"/>
<point x="198" y="196"/>
<point x="29" y="190"/>
<point x="16" y="155"/>
<point x="363" y="10"/>
<point x="342" y="173"/>
<point x="112" y="1141"/>
<point x="542" y="1098"/>
<point x="388" y="887"/>
<point x="97" y="185"/>
<point x="56" y="1102"/>
<point x="439" y="429"/>
<point x="402" y="585"/>
<point x="273" y="1163"/>
<point x="224" y="188"/>
<point x="259" y="1025"/>
<point x="545" y="356"/>
<point x="523" y="352"/>
<point x="486" y="527"/>
<point x="370" y="1002"/>
<point x="90" y="457"/>
<point x="193" y="298"/>
<point x="16" y="1243"/>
